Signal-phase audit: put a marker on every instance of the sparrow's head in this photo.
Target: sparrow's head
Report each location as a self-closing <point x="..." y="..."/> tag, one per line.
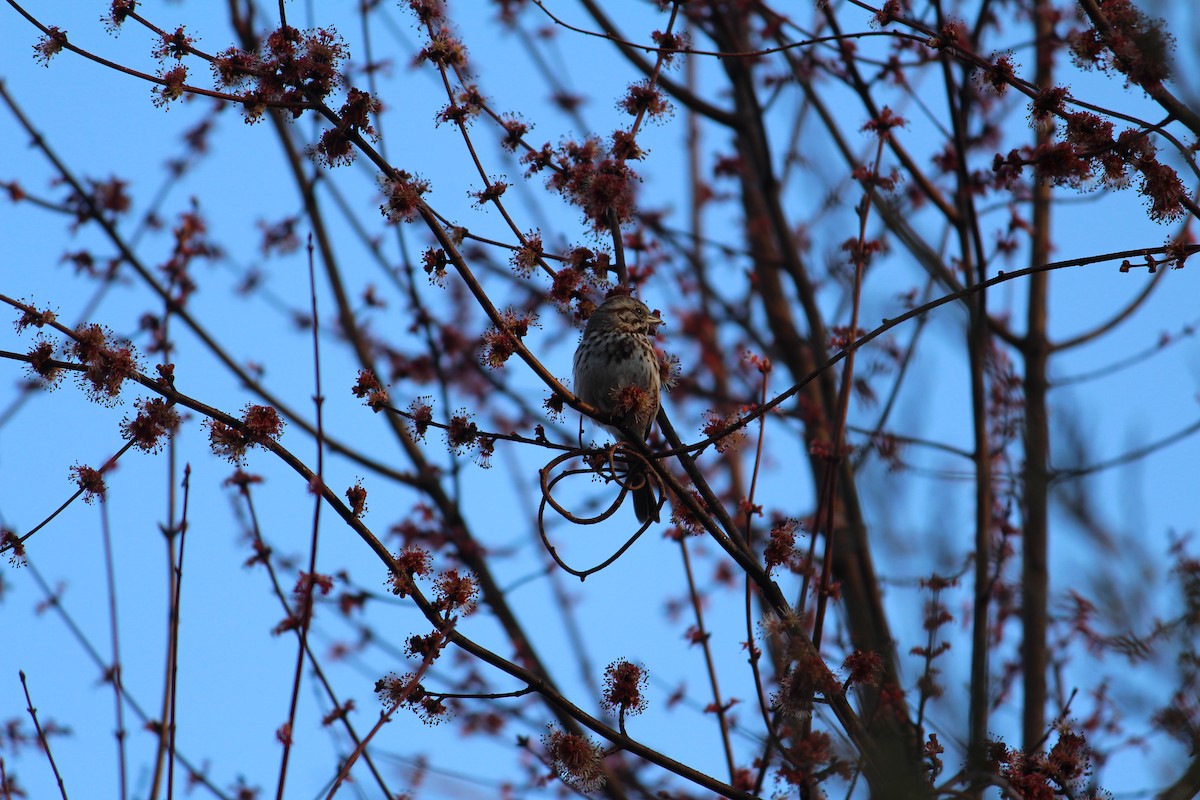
<point x="622" y="313"/>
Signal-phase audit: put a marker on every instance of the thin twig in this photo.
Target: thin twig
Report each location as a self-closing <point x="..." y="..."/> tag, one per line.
<point x="42" y="736"/>
<point x="115" y="672"/>
<point x="307" y="585"/>
<point x="176" y="605"/>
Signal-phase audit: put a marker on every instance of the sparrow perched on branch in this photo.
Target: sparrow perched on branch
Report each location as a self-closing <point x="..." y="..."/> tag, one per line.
<point x="616" y="370"/>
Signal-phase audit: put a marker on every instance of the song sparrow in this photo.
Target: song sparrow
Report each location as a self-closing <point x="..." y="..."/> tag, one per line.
<point x="616" y="370"/>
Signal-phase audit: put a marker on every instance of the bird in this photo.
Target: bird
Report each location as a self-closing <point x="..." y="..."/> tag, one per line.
<point x="616" y="371"/>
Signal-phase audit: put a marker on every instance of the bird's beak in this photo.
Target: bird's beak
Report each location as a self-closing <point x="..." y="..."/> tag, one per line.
<point x="654" y="321"/>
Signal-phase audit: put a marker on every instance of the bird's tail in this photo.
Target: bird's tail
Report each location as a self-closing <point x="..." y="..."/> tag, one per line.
<point x="645" y="501"/>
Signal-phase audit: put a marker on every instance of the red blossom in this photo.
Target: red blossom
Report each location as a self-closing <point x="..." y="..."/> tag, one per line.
<point x="174" y="45"/>
<point x="953" y="35"/>
<point x="760" y="363"/>
<point x="731" y="166"/>
<point x="889" y="12"/>
<point x="108" y="364"/>
<point x="1166" y="192"/>
<point x="10" y="542"/>
<point x="90" y="482"/>
<point x="683" y="518"/>
<point x="31" y="316"/>
<point x="514" y="132"/>
<point x="529" y="256"/>
<point x="428" y="11"/>
<point x="234" y="68"/>
<point x="368" y="386"/>
<point x="42" y="367"/>
<point x="118" y="10"/>
<point x="625" y="146"/>
<point x="111" y="195"/>
<point x="576" y="758"/>
<point x="336" y="145"/>
<point x="807" y="677"/>
<point x="453" y="592"/>
<point x="781" y="548"/>
<point x="864" y="668"/>
<point x="357" y="111"/>
<point x="294" y="70"/>
<point x="334" y="148"/>
<point x="49" y="45"/>
<point x="395" y="691"/>
<point x="420" y="412"/>
<point x="565" y="286"/>
<point x="461" y="432"/>
<point x="491" y="194"/>
<point x="669" y="42"/>
<point x="226" y="441"/>
<point x="1130" y="43"/>
<point x="1088" y="131"/>
<point x="862" y="251"/>
<point x="1069" y="759"/>
<point x="931" y="750"/>
<point x="554" y="405"/>
<point x="1048" y="103"/>
<point x="1007" y="169"/>
<point x="434" y="262"/>
<point x="882" y="125"/>
<point x="424" y="647"/>
<point x="156" y="419"/>
<point x="500" y="343"/>
<point x="805" y="755"/>
<point x="1061" y="164"/>
<point x="999" y="74"/>
<point x="602" y="187"/>
<point x="338" y="713"/>
<point x="307" y="582"/>
<point x="444" y="50"/>
<point x="470" y="98"/>
<point x="715" y="424"/>
<point x="261" y="424"/>
<point x="632" y="401"/>
<point x="589" y="264"/>
<point x="172" y="87"/>
<point x="403" y="192"/>
<point x="317" y="63"/>
<point x="625" y="687"/>
<point x="83" y="261"/>
<point x="412" y="561"/>
<point x="356" y="496"/>
<point x="842" y="336"/>
<point x="645" y="98"/>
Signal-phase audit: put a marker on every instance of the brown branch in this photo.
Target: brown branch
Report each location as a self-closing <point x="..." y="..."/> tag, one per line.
<point x="1186" y="786"/>
<point x="1036" y="434"/>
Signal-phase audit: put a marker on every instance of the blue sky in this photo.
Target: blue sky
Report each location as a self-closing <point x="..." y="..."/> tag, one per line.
<point x="235" y="677"/>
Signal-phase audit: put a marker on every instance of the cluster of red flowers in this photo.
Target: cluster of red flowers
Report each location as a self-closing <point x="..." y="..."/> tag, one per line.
<point x="259" y="425"/>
